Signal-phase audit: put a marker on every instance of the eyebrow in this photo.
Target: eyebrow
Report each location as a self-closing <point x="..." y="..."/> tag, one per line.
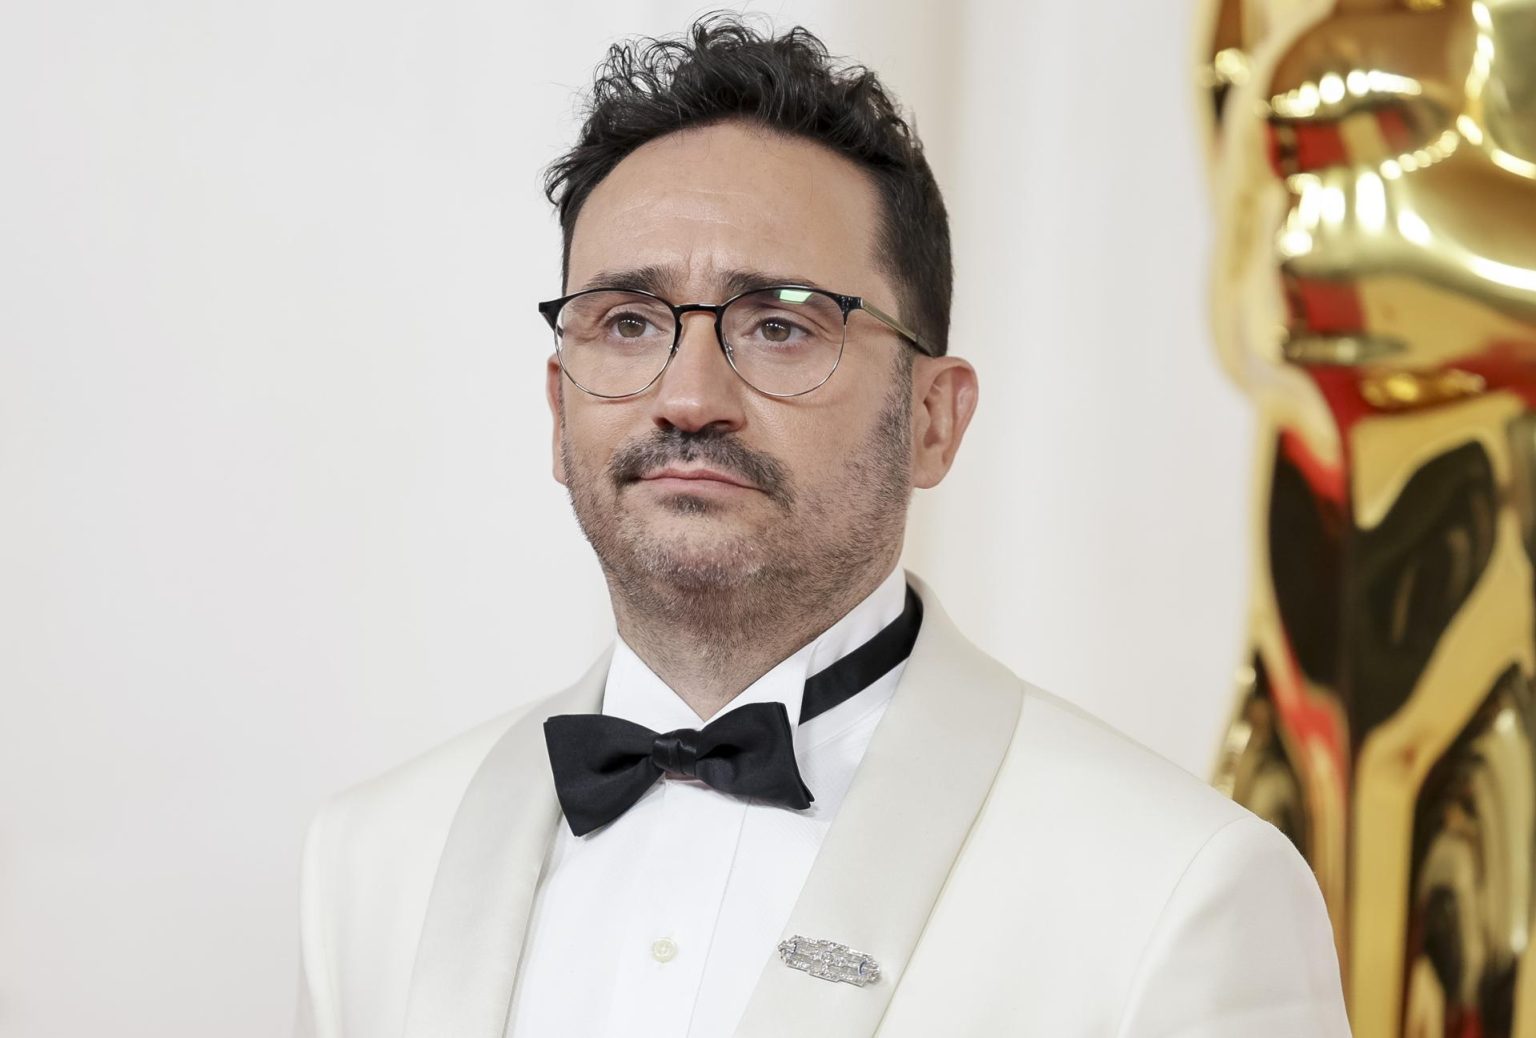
<point x="663" y="281"/>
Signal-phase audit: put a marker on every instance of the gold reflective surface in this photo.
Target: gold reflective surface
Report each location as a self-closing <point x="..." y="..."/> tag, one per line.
<point x="1374" y="292"/>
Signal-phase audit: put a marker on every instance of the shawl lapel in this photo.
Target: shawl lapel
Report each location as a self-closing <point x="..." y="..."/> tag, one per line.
<point x="883" y="863"/>
<point x="472" y="938"/>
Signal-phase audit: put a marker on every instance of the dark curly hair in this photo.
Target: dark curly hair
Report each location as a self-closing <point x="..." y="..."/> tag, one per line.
<point x="722" y="68"/>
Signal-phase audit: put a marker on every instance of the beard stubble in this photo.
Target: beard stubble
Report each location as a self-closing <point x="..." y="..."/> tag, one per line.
<point x="806" y="556"/>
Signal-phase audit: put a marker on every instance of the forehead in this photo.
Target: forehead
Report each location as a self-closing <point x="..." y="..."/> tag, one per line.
<point x="705" y="201"/>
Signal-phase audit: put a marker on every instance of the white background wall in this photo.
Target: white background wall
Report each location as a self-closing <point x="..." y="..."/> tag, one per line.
<point x="275" y="510"/>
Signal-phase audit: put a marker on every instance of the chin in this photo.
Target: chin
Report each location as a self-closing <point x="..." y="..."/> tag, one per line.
<point x="688" y="524"/>
<point x="690" y="562"/>
<point x="680" y="545"/>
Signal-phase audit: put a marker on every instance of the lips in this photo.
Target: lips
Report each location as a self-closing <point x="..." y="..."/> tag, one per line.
<point x="702" y="476"/>
<point x="710" y="462"/>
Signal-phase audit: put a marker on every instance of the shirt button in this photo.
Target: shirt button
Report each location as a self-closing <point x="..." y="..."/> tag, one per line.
<point x="663" y="950"/>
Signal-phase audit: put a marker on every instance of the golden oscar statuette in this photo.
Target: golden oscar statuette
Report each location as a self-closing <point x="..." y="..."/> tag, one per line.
<point x="1374" y="174"/>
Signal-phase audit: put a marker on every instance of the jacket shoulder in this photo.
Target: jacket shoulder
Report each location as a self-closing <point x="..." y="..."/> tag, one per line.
<point x="1084" y="841"/>
<point x="404" y="814"/>
<point x="1101" y="768"/>
<point x="422" y="787"/>
<point x="370" y="858"/>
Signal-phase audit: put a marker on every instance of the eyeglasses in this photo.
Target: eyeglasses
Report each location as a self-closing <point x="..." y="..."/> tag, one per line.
<point x="783" y="340"/>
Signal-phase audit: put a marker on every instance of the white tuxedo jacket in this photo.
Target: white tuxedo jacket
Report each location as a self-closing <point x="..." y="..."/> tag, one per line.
<point x="1014" y="866"/>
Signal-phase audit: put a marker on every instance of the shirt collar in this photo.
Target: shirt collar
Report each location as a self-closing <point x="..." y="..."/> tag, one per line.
<point x="635" y="693"/>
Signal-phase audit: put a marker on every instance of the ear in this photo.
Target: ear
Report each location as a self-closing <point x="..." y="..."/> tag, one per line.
<point x="944" y="394"/>
<point x="552" y="390"/>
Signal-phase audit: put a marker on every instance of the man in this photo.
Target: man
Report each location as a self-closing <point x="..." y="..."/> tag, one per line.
<point x="792" y="799"/>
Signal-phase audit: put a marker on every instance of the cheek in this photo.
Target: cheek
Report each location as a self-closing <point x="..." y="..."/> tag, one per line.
<point x="591" y="436"/>
<point x="818" y="448"/>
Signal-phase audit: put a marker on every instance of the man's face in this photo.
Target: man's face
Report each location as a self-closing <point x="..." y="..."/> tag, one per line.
<point x="798" y="494"/>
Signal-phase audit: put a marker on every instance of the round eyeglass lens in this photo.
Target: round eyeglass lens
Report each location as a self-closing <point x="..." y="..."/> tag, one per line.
<point x="614" y="343"/>
<point x="784" y="341"/>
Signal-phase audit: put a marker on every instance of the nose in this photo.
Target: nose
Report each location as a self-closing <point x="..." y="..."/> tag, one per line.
<point x="699" y="389"/>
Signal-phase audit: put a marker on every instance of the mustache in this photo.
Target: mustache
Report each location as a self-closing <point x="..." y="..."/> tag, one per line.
<point x="715" y="447"/>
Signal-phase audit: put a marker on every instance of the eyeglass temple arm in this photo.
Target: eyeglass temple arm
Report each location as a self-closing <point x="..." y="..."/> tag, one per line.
<point x="896" y="326"/>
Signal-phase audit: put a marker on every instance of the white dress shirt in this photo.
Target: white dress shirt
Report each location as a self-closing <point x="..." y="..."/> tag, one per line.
<point x="658" y="924"/>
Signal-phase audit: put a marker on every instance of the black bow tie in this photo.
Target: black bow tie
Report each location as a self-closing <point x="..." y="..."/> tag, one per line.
<point x="603" y="764"/>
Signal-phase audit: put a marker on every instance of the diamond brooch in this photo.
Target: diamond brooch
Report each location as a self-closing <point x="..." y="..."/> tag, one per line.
<point x="829" y="961"/>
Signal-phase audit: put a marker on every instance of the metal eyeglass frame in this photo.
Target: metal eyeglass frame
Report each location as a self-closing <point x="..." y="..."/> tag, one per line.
<point x="550" y="310"/>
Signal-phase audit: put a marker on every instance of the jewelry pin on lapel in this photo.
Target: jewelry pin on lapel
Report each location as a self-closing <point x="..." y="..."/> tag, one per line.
<point x="829" y="961"/>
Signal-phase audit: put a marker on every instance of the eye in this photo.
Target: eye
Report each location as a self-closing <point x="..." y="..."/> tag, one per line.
<point x="776" y="330"/>
<point x="783" y="322"/>
<point x="630" y="326"/>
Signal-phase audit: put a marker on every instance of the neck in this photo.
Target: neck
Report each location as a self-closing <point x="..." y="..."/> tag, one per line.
<point x="711" y="646"/>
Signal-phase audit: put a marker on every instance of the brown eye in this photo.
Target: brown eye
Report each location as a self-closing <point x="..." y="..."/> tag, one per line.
<point x="630" y="327"/>
<point x="775" y="331"/>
